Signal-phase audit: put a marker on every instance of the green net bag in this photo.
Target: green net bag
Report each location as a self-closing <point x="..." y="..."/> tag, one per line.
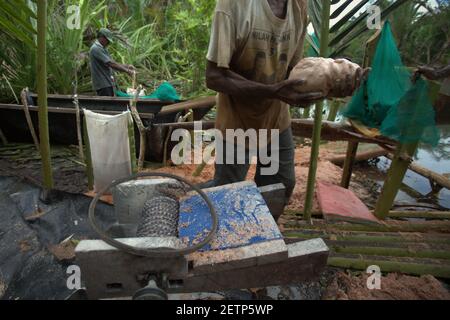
<point x="389" y="101"/>
<point x="165" y="92"/>
<point x="412" y="124"/>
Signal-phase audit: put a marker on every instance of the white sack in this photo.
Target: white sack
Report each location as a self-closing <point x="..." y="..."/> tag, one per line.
<point x="110" y="147"/>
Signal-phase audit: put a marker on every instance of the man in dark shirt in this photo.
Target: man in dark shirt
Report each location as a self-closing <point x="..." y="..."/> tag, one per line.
<point x="102" y="65"/>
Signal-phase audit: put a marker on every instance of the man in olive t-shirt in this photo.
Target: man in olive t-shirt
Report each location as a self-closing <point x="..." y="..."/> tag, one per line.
<point x="254" y="45"/>
<point x="102" y="65"/>
<point x="253" y="48"/>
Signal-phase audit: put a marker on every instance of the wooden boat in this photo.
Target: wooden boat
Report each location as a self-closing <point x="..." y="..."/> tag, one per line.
<point x="62" y="118"/>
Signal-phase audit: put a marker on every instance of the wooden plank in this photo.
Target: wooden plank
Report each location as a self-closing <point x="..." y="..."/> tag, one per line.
<point x="302" y="128"/>
<point x="192" y="104"/>
<point x="69" y="110"/>
<point x="100" y="99"/>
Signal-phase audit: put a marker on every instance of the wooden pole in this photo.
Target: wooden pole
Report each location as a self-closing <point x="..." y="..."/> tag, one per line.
<point x="324" y="41"/>
<point x="360" y="156"/>
<point x="141" y="128"/>
<point x="42" y="94"/>
<point x="352" y="148"/>
<point x="79" y="130"/>
<point x="88" y="157"/>
<point x="23" y="97"/>
<point x="3" y="137"/>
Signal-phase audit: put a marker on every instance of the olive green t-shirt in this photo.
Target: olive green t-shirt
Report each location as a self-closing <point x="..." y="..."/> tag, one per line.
<point x="250" y="40"/>
<point x="101" y="73"/>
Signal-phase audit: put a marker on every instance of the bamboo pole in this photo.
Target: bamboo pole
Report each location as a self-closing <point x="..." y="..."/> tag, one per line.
<point x="23" y="97"/>
<point x="394" y="179"/>
<point x="390" y="252"/>
<point x="132" y="142"/>
<point x="391" y="226"/>
<point x="414" y="268"/>
<point x="334" y="108"/>
<point x="420" y="214"/>
<point x="433" y="215"/>
<point x="79" y="130"/>
<point x="369" y="237"/>
<point x="310" y="189"/>
<point x="306" y="112"/>
<point x="42" y="93"/>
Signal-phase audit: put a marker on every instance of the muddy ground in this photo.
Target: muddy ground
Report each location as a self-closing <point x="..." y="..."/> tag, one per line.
<point x="334" y="284"/>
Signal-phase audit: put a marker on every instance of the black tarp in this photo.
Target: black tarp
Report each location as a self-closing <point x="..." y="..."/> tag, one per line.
<point x="28" y="270"/>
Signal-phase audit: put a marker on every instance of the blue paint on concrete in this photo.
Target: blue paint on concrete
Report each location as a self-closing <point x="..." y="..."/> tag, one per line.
<point x="244" y="218"/>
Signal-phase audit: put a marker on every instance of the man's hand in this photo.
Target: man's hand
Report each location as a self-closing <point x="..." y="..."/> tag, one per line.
<point x="131" y="70"/>
<point x="286" y="92"/>
<point x="428" y="72"/>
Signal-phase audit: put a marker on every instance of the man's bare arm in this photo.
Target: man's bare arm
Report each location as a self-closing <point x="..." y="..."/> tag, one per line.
<point x="444" y="72"/>
<point x="226" y="81"/>
<point x="434" y="74"/>
<point x="121" y="67"/>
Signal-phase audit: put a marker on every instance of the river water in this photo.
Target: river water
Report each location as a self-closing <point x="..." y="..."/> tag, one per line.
<point x="416" y="189"/>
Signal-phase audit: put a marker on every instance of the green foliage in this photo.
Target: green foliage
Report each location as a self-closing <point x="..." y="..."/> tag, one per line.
<point x="166" y="40"/>
<point x="349" y="27"/>
<point x="422" y="33"/>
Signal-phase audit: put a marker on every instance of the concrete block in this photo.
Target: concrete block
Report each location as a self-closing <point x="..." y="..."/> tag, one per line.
<point x="243" y="257"/>
<point x="306" y="261"/>
<point x="107" y="272"/>
<point x="275" y="196"/>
